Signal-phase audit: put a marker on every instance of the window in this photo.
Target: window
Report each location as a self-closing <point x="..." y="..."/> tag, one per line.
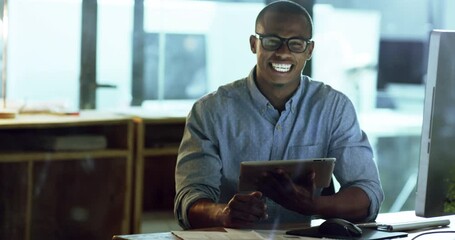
<point x="43" y="51"/>
<point x="192" y="47"/>
<point x="179" y="70"/>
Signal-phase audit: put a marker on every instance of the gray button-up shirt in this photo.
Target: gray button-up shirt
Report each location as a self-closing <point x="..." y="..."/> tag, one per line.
<point x="237" y="123"/>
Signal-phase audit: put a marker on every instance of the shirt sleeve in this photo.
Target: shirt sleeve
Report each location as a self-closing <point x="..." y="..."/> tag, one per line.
<point x="198" y="167"/>
<point x="355" y="163"/>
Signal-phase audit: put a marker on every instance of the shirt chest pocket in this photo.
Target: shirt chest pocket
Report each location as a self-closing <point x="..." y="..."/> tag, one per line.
<point x="307" y="151"/>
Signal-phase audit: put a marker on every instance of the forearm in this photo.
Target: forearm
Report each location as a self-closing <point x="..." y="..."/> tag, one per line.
<point x="205" y="213"/>
<point x="350" y="204"/>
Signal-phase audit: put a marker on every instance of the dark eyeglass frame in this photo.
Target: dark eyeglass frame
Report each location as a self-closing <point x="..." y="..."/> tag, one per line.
<point x="282" y="40"/>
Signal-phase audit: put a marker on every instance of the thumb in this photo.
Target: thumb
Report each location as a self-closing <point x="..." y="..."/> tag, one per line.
<point x="256" y="194"/>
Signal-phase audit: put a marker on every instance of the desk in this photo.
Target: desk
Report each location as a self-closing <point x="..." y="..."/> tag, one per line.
<point x="388" y="218"/>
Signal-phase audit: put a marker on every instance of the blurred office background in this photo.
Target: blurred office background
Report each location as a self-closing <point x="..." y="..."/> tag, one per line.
<point x="148" y="54"/>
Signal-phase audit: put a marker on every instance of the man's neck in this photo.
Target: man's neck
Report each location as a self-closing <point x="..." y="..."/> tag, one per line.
<point x="277" y="95"/>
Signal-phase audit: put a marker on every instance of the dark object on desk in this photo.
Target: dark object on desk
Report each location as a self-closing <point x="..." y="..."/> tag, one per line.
<point x="335" y="228"/>
<point x="407" y="226"/>
<point x="340" y="228"/>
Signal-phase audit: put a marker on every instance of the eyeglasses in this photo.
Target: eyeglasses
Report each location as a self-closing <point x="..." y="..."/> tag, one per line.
<point x="272" y="43"/>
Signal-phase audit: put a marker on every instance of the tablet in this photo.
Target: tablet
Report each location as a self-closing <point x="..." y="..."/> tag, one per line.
<point x="296" y="168"/>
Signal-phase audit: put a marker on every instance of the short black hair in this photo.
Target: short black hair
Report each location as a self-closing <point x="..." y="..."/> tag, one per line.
<point x="286" y="6"/>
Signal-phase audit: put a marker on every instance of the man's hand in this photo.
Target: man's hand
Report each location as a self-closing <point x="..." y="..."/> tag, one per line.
<point x="242" y="211"/>
<point x="351" y="203"/>
<point x="294" y="195"/>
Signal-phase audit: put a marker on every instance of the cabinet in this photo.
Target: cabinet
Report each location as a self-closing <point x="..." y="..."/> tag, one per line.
<point x="78" y="191"/>
<point x="157" y="142"/>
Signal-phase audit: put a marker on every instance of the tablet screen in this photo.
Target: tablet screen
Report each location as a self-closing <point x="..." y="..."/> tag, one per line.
<point x="296" y="168"/>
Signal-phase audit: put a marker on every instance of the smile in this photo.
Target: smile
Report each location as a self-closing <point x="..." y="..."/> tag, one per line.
<point x="281" y="67"/>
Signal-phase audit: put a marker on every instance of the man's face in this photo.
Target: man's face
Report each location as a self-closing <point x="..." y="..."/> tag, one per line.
<point x="281" y="67"/>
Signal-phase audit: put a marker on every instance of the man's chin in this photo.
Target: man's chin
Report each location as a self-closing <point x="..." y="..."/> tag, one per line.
<point x="279" y="85"/>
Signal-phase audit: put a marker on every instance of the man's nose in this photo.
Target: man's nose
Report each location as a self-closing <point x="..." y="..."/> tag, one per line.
<point x="283" y="49"/>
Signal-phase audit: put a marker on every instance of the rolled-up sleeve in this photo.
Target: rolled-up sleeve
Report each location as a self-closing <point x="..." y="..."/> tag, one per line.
<point x="355" y="163"/>
<point x="198" y="167"/>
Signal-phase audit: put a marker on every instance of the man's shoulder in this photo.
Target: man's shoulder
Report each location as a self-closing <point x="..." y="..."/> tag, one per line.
<point x="223" y="103"/>
<point x="231" y="90"/>
<point x="321" y="88"/>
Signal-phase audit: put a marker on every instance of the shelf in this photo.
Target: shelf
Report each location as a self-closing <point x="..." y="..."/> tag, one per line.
<point x="157" y="143"/>
<point x="101" y="192"/>
<point x="61" y="156"/>
<point x="50" y="192"/>
<point x="160" y="151"/>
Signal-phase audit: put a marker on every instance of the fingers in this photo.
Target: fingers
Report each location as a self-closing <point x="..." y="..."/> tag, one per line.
<point x="244" y="210"/>
<point x="294" y="195"/>
<point x="252" y="205"/>
<point x="275" y="182"/>
<point x="281" y="179"/>
<point x="256" y="194"/>
<point x="311" y="182"/>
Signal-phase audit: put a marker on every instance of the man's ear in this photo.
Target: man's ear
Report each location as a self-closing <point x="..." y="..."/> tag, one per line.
<point x="310" y="50"/>
<point x="253" y="44"/>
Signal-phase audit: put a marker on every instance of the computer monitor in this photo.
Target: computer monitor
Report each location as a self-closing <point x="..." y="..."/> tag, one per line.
<point x="401" y="61"/>
<point x="435" y="194"/>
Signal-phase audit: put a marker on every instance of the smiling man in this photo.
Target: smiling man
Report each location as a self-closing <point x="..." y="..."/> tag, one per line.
<point x="275" y="113"/>
<point x="282" y="45"/>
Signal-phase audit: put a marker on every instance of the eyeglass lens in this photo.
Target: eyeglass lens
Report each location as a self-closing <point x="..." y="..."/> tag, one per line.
<point x="294" y="44"/>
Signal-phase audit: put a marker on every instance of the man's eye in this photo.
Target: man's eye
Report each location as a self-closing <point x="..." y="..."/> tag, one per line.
<point x="296" y="44"/>
<point x="273" y="41"/>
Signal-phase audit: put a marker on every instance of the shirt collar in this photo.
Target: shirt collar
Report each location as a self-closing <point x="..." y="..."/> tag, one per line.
<point x="261" y="101"/>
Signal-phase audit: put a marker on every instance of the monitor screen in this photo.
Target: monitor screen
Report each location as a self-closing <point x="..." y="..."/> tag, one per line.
<point x="402" y="62"/>
<point x="435" y="194"/>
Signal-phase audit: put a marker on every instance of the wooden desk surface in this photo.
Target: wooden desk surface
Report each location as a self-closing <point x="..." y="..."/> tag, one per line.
<point x="388" y="218"/>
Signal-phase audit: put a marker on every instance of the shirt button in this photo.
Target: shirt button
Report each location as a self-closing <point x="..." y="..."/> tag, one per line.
<point x="278" y="127"/>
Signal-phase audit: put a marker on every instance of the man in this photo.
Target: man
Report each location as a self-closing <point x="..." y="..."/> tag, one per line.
<point x="274" y="113"/>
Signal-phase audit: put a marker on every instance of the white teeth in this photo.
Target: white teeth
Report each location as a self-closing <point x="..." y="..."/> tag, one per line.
<point x="280" y="67"/>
